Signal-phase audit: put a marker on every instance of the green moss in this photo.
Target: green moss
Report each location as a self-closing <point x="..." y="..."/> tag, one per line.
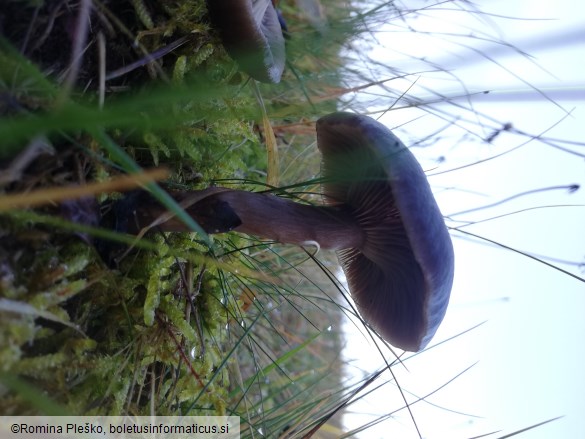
<point x="124" y="338"/>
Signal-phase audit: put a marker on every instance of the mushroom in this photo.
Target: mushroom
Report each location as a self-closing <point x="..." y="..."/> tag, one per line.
<point x="252" y="34"/>
<point x="379" y="214"/>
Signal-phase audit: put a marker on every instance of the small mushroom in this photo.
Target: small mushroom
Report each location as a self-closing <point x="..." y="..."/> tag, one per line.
<point x="252" y="35"/>
<point x="380" y="215"/>
<point x="401" y="277"/>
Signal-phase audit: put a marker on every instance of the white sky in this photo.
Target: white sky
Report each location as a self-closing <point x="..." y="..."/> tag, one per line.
<point x="530" y="351"/>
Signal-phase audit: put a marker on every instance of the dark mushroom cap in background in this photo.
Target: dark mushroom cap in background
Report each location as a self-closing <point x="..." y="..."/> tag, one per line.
<point x="252" y="35"/>
<point x="402" y="276"/>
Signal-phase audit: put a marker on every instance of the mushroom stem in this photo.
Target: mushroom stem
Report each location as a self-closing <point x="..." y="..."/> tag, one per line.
<point x="262" y="215"/>
<point x="283" y="220"/>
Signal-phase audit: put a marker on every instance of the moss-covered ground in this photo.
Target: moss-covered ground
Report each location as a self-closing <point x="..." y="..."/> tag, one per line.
<point x="95" y="322"/>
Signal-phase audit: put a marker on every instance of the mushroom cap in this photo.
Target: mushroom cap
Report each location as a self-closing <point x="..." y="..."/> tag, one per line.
<point x="401" y="277"/>
<point x="251" y="33"/>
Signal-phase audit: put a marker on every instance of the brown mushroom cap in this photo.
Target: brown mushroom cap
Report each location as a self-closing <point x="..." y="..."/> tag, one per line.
<point x="252" y="35"/>
<point x="401" y="277"/>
